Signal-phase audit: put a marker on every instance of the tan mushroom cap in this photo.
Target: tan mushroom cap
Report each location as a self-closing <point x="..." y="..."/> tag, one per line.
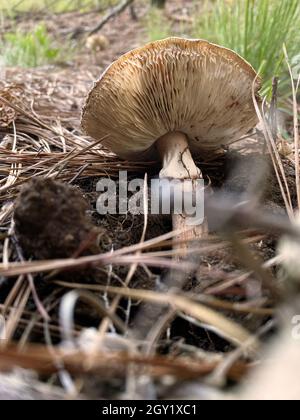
<point x="191" y="86"/>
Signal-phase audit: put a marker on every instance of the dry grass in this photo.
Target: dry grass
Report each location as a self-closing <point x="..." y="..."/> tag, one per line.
<point x="40" y="136"/>
<point x="43" y="138"/>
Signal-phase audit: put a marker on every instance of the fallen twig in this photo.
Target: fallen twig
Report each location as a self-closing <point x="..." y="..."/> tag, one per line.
<point x="114" y="12"/>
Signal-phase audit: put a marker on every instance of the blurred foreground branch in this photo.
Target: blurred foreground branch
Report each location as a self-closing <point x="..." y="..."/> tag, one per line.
<point x="23" y="385"/>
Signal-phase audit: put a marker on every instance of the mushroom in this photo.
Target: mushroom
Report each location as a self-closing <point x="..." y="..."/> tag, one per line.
<point x="173" y="99"/>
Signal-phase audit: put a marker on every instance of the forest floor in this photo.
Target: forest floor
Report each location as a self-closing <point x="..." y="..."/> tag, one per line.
<point x="225" y="301"/>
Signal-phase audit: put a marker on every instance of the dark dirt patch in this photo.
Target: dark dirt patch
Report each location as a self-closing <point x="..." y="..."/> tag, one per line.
<point x="56" y="220"/>
<point x="51" y="220"/>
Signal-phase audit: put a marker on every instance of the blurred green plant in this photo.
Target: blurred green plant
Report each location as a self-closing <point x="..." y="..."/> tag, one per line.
<point x="256" y="29"/>
<point x="30" y="49"/>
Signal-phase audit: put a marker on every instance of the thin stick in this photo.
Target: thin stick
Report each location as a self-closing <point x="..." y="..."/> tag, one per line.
<point x="235" y="333"/>
<point x="296" y="126"/>
<point x="115" y="11"/>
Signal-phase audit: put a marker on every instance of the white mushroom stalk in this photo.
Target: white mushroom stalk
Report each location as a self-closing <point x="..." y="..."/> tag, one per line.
<point x="177" y="161"/>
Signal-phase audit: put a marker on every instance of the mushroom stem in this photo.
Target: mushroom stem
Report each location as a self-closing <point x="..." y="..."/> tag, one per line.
<point x="178" y="163"/>
<point x="175" y="154"/>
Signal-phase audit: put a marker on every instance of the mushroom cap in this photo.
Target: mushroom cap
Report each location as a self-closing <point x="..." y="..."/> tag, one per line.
<point x="191" y="86"/>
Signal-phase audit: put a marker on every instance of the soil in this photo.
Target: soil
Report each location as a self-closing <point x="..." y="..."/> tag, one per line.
<point x="54" y="219"/>
<point x="51" y="221"/>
